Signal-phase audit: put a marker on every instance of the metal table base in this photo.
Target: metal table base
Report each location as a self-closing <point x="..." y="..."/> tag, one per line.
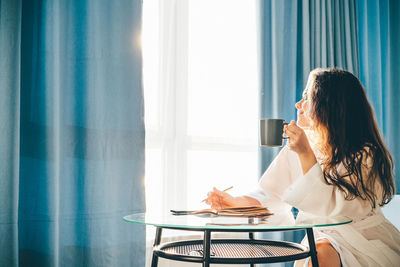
<point x="233" y="251"/>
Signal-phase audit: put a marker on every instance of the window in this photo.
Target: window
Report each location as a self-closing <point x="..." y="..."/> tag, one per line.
<point x="201" y="80"/>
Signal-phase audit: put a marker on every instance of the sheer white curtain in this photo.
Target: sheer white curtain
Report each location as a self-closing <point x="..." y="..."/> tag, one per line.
<point x="201" y="86"/>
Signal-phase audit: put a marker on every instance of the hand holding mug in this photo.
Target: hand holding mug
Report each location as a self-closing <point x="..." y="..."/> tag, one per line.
<point x="298" y="141"/>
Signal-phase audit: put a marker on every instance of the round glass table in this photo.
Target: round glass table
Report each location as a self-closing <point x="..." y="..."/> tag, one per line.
<point x="234" y="251"/>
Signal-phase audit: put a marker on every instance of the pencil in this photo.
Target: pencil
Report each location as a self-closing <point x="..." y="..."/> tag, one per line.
<point x="229" y="188"/>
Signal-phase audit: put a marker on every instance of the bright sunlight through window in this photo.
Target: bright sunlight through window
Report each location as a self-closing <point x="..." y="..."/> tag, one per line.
<point x="201" y="100"/>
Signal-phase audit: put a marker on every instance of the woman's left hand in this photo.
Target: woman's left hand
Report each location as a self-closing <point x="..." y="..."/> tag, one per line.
<point x="298" y="141"/>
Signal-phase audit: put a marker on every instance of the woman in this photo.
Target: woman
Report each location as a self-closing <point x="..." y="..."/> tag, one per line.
<point x="335" y="163"/>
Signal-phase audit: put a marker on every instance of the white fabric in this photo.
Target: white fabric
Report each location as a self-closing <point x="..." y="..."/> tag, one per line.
<point x="370" y="240"/>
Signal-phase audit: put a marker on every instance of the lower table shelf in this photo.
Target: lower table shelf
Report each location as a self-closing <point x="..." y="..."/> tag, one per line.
<point x="233" y="251"/>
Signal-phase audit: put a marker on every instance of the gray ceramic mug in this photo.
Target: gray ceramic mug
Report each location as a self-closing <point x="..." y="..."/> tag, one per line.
<point x="271" y="132"/>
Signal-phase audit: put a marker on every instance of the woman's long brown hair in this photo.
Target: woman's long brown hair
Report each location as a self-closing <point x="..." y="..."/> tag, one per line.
<point x="339" y="106"/>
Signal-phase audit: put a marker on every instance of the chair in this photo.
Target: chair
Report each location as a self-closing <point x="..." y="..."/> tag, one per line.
<point x="392" y="211"/>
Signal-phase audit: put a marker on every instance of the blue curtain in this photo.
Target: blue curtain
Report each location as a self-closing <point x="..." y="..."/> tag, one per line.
<point x="379" y="60"/>
<point x="71" y="133"/>
<point x="360" y="36"/>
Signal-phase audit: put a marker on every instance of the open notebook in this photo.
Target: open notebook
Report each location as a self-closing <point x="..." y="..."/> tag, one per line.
<point x="248" y="211"/>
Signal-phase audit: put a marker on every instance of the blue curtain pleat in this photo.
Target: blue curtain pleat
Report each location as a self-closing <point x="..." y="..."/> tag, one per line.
<point x="10" y="56"/>
<point x="279" y="76"/>
<point x="73" y="133"/>
<point x="361" y="36"/>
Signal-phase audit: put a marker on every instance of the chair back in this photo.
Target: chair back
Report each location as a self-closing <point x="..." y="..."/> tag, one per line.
<point x="392" y="211"/>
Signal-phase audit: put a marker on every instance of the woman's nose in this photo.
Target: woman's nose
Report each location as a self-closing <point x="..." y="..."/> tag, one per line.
<point x="298" y="104"/>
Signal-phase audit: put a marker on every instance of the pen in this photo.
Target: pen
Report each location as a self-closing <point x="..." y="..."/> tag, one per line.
<point x="222" y="191"/>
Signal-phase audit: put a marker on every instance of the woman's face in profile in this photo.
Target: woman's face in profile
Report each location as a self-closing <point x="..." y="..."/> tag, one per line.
<point x="303" y="118"/>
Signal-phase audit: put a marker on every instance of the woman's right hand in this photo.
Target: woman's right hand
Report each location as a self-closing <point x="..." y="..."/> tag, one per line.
<point x="220" y="200"/>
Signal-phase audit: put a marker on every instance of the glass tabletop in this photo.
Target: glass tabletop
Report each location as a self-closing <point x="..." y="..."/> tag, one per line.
<point x="203" y="222"/>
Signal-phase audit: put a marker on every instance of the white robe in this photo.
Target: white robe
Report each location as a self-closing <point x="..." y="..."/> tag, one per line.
<point x="370" y="240"/>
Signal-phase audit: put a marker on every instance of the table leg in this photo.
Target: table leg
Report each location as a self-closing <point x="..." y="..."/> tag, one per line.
<point x="313" y="250"/>
<point x="251" y="237"/>
<point x="157" y="240"/>
<point x="206" y="248"/>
